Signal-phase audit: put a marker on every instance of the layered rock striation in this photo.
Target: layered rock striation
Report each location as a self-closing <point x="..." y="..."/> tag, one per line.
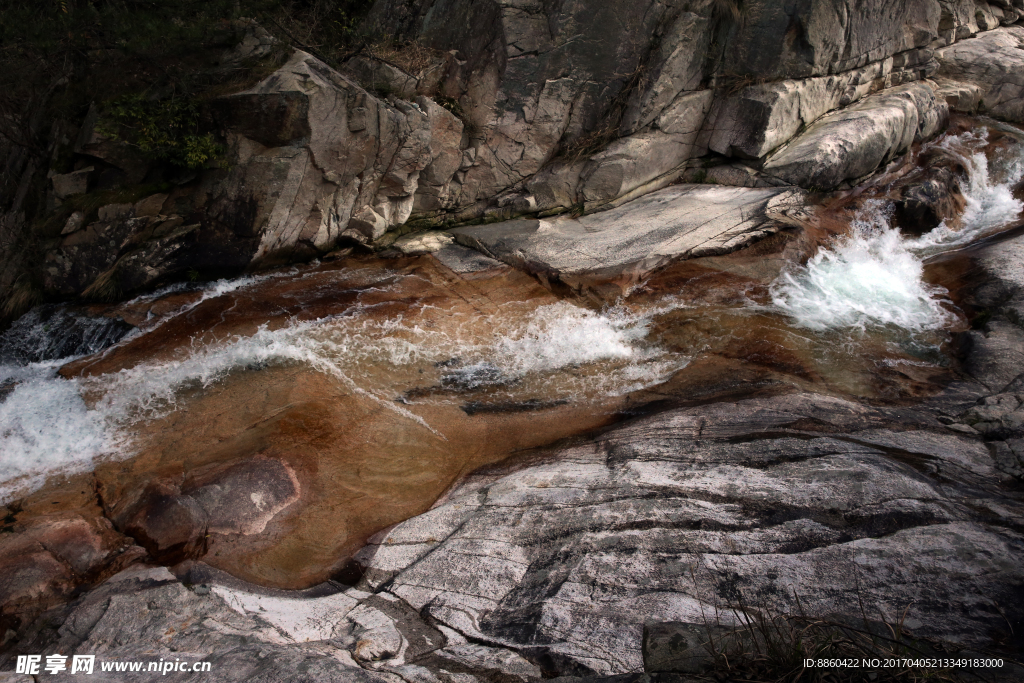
<point x="527" y="109"/>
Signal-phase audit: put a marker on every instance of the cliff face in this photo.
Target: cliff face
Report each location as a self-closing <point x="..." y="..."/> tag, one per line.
<point x="521" y="107"/>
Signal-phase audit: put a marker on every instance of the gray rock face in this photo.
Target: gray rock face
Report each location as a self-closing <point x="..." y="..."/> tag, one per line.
<point x="342" y="161"/>
<point x="666" y="518"/>
<point x="313" y="158"/>
<point x="692" y="516"/>
<point x="679" y="221"/>
<point x="994" y="61"/>
<point x="532" y="75"/>
<point x="535" y="79"/>
<point x="577" y="104"/>
<point x="148" y="615"/>
<point x="996" y="358"/>
<point x="834" y="35"/>
<point x="758" y="119"/>
<point x="851" y="143"/>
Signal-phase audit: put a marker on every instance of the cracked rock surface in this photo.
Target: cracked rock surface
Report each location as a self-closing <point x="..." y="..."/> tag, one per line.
<point x="637" y="237"/>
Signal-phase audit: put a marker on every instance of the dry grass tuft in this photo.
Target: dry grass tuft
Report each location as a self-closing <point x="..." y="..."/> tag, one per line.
<point x="412" y="58"/>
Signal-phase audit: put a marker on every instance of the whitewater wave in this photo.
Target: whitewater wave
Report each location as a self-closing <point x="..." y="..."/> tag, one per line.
<point x="871" y="278"/>
<point x="558" y="349"/>
<point x="874" y="277"/>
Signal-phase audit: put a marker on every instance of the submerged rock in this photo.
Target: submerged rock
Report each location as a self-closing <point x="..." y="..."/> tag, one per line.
<point x="929" y="200"/>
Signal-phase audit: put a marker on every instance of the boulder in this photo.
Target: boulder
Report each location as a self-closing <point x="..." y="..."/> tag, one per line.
<point x="236" y="498"/>
<point x="631" y="163"/>
<point x="423" y="243"/>
<point x="757" y="119"/>
<point x="67" y="184"/>
<point x="853" y="142"/>
<point x="635" y="238"/>
<point x="928" y="200"/>
<point x="993" y="61"/>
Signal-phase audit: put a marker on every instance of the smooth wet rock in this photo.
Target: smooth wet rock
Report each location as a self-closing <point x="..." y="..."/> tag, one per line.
<point x="993" y="61"/>
<point x="52" y="543"/>
<point x="637" y="237"/>
<point x="464" y="260"/>
<point x="277" y="472"/>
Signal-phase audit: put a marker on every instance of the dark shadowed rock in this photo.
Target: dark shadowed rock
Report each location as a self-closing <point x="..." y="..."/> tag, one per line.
<point x="171" y="527"/>
<point x="929" y="201"/>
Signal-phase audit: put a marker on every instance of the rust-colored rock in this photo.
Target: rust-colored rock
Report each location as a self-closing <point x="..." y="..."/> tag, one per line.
<point x="279" y="473"/>
<point x="53" y="542"/>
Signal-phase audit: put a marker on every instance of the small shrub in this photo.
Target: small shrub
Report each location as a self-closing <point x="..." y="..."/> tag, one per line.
<point x="451" y="104"/>
<point x="165" y="130"/>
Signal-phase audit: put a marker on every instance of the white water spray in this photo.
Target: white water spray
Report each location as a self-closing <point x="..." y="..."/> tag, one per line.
<point x="873" y="278"/>
<point x="558" y="349"/>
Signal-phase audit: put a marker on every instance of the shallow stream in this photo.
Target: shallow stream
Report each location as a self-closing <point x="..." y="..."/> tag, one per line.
<point x="490" y="363"/>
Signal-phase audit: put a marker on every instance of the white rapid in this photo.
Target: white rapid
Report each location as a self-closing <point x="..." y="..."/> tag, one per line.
<point x="870" y="278"/>
<point x="559" y="350"/>
<point x="873" y="277"/>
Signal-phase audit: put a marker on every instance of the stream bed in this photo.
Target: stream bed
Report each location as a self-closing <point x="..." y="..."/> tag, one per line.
<point x="378" y="383"/>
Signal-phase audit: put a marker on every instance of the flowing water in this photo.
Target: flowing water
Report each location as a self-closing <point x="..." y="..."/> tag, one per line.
<point x="421" y="346"/>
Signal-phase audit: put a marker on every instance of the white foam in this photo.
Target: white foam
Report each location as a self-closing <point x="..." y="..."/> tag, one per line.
<point x="562" y="334"/>
<point x="988" y="191"/>
<point x="44" y="426"/>
<point x="874" y="276"/>
<point x="560" y="349"/>
<point x="867" y="279"/>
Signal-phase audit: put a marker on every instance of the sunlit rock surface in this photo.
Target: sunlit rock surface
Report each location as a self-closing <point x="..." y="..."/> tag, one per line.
<point x="993" y="61"/>
<point x="638" y="237"/>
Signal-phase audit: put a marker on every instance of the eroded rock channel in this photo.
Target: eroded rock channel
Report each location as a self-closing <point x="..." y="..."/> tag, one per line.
<point x="416" y="467"/>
